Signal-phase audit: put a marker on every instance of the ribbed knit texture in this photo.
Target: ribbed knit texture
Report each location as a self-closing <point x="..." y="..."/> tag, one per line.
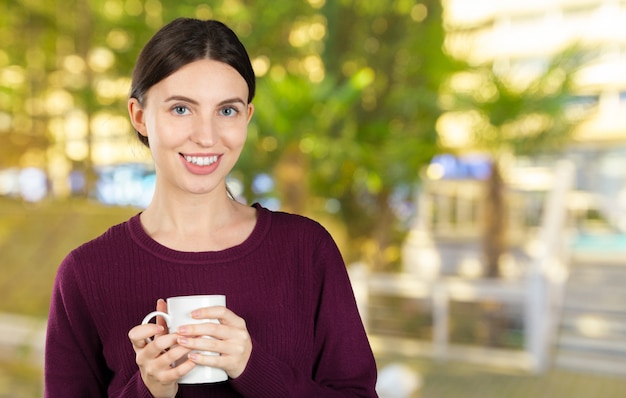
<point x="287" y="280"/>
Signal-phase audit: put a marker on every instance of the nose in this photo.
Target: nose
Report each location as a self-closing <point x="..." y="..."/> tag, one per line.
<point x="204" y="133"/>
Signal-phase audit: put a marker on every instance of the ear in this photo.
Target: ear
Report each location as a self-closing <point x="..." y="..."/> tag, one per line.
<point x="250" y="111"/>
<point x="135" y="110"/>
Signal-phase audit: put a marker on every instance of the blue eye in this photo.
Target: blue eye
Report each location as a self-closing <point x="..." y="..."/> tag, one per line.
<point x="180" y="110"/>
<point x="228" y="111"/>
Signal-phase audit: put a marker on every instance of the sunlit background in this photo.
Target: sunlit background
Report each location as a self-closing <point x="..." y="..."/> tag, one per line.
<point x="467" y="155"/>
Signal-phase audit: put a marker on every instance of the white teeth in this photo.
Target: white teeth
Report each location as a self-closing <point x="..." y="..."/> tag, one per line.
<point x="201" y="160"/>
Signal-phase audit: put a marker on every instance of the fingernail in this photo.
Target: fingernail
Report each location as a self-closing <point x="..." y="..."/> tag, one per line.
<point x="182" y="330"/>
<point x="195" y="313"/>
<point x="193" y="356"/>
<point x="182" y="341"/>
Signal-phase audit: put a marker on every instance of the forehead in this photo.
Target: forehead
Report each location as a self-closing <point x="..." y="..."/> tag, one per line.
<point x="203" y="79"/>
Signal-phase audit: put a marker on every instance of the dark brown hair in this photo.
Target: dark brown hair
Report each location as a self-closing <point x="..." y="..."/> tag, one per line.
<point x="182" y="42"/>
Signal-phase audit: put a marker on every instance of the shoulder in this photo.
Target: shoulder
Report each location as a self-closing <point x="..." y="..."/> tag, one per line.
<point x="85" y="263"/>
<point x="299" y="235"/>
<point x="295" y="223"/>
<point x="104" y="245"/>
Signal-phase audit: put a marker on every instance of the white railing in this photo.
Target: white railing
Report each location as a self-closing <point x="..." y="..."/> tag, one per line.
<point x="440" y="294"/>
<point x="548" y="272"/>
<point x="539" y="294"/>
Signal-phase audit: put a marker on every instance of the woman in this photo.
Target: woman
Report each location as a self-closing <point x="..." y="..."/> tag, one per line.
<point x="291" y="327"/>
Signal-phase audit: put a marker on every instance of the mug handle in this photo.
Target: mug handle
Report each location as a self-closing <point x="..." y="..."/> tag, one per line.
<point x="165" y="315"/>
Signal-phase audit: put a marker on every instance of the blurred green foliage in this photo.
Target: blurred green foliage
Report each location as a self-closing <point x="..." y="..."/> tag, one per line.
<point x="346" y="109"/>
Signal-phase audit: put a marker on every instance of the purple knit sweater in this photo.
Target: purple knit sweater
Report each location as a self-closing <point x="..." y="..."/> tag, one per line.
<point x="287" y="280"/>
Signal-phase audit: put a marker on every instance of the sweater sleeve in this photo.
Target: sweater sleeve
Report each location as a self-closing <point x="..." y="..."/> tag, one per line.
<point x="72" y="366"/>
<point x="345" y="365"/>
<point x="74" y="363"/>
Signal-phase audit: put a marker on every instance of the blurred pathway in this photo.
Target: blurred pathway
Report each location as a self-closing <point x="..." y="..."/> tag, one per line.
<point x="457" y="380"/>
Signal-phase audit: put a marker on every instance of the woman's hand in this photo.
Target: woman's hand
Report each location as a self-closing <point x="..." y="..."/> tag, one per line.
<point x="155" y="357"/>
<point x="230" y="339"/>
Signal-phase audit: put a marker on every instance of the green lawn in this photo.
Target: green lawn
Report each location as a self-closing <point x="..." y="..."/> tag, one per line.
<point x="34" y="239"/>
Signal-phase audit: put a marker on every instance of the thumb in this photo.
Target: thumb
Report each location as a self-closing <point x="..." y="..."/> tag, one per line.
<point x="161" y="306"/>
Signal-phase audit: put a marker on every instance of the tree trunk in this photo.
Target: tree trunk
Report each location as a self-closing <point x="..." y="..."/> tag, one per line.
<point x="494" y="238"/>
<point x="494" y="245"/>
<point x="291" y="181"/>
<point x="382" y="232"/>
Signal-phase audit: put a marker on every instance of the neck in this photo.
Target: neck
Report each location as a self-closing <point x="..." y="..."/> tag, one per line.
<point x="189" y="214"/>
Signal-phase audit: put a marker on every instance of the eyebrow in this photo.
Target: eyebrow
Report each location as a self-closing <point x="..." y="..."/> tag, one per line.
<point x="193" y="101"/>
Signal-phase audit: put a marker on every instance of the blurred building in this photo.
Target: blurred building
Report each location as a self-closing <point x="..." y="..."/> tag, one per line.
<point x="520" y="37"/>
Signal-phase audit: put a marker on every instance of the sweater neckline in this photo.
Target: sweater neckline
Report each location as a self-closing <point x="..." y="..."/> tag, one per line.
<point x="147" y="243"/>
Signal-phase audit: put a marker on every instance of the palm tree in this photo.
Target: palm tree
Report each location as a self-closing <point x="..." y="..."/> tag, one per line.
<point x="516" y="116"/>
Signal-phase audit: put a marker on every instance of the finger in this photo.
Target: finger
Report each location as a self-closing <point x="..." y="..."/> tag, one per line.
<point x="199" y="343"/>
<point x="140" y="333"/>
<point x="222" y="314"/>
<point x="161" y="306"/>
<point x="227" y="332"/>
<point x="162" y="367"/>
<point x="198" y="329"/>
<point x="176" y="354"/>
<point x="214" y="361"/>
<point x="180" y="370"/>
<point x="233" y="358"/>
<point x="233" y="342"/>
<point x="162" y="343"/>
<point x="215" y="312"/>
<point x="157" y="353"/>
<point x="216" y="330"/>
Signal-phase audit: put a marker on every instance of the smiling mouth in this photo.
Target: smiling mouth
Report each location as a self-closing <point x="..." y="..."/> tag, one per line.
<point x="201" y="160"/>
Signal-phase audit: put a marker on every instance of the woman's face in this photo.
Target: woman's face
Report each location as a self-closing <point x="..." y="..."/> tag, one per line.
<point x="196" y="120"/>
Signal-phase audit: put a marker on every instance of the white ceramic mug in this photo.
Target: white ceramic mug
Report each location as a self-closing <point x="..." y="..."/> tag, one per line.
<point x="179" y="313"/>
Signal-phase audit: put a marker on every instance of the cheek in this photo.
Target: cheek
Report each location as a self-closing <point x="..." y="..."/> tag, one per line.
<point x="236" y="136"/>
<point x="241" y="140"/>
<point x="165" y="134"/>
